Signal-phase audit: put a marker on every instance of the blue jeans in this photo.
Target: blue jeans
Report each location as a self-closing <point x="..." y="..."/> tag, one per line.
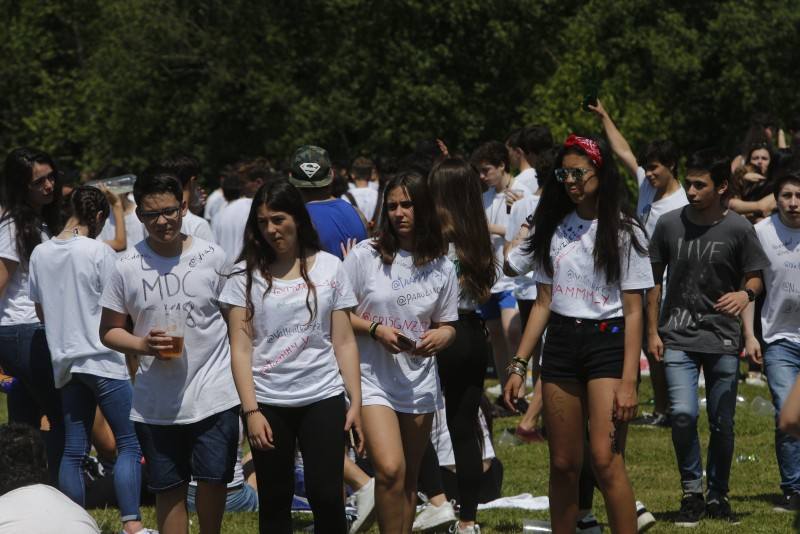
<point x="24" y="354"/>
<point x="80" y="397"/>
<point x="782" y="365"/>
<point x="721" y="371"/>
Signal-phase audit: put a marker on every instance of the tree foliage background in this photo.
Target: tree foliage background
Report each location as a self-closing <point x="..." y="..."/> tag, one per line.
<point x="113" y="81"/>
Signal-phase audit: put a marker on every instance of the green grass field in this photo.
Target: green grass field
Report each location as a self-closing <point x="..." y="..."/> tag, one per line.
<point x="651" y="465"/>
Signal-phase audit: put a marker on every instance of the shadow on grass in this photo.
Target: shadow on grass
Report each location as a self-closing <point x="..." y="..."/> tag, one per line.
<point x="672" y="516"/>
<point x="769" y="498"/>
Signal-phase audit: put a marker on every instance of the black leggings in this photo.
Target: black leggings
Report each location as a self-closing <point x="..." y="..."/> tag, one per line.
<point x="319" y="429"/>
<point x="462" y="368"/>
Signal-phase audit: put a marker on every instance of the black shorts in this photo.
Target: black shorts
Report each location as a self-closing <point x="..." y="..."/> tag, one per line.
<point x="579" y="350"/>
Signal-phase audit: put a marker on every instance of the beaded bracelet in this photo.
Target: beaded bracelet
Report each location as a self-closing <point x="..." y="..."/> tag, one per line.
<point x="523" y="363"/>
<point x="248" y="413"/>
<point x="373" y="328"/>
<point x="516" y="369"/>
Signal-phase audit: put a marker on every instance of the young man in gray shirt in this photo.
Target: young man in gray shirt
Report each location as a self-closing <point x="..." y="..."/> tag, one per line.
<point x="710" y="251"/>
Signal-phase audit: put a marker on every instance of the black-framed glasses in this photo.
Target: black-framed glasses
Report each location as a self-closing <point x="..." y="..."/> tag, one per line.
<point x="169" y="214"/>
<point x="39" y="182"/>
<point x="578" y="174"/>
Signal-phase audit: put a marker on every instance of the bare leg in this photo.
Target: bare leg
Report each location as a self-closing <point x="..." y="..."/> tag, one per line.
<point x="173" y="518"/>
<point x="607" y="444"/>
<point x="564" y="416"/>
<point x="415" y="430"/>
<point x="530" y="420"/>
<point x="210" y="506"/>
<point x="354" y="476"/>
<point x="385" y="448"/>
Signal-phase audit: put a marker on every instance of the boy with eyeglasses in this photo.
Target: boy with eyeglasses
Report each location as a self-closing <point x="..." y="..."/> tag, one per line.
<point x="715" y="263"/>
<point x="185" y="407"/>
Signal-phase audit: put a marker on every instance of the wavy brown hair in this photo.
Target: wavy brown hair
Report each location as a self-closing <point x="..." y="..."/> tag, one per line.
<point x="456" y="190"/>
<point x="258" y="254"/>
<point x="429" y="243"/>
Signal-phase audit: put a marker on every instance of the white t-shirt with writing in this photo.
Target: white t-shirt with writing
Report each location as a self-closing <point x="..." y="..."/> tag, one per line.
<point x="134" y="231"/>
<point x="16" y="306"/>
<point x="199" y="383"/>
<point x="41" y="509"/>
<point x="229" y="227"/>
<point x="293" y="359"/>
<point x="366" y="200"/>
<point x="494" y="204"/>
<point x="780" y="316"/>
<point x="648" y="211"/>
<point x="577" y="290"/>
<point x="524" y="285"/>
<point x="67" y="278"/>
<point x="407" y="298"/>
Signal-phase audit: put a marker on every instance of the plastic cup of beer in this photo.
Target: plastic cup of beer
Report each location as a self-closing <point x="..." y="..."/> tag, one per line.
<point x="173" y="322"/>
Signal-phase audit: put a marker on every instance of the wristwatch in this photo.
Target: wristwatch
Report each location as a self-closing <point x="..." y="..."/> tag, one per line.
<point x="751" y="295"/>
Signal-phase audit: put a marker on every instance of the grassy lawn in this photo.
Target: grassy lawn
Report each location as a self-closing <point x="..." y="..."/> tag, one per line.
<point x="651" y="464"/>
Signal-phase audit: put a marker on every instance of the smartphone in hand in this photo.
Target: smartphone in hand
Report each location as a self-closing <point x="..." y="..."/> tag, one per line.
<point x="406" y="343"/>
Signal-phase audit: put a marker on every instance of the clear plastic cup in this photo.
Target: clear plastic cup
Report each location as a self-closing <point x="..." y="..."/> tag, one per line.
<point x="763" y="407"/>
<point x="119" y="185"/>
<point x="173" y="322"/>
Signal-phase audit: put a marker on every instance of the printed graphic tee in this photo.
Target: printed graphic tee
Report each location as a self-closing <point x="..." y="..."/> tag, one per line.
<point x="16" y="306"/>
<point x="199" y="383"/>
<point x="67" y="278"/>
<point x="293" y="359"/>
<point x="407" y="298"/>
<point x="578" y="290"/>
<point x="705" y="262"/>
<point x="780" y="316"/>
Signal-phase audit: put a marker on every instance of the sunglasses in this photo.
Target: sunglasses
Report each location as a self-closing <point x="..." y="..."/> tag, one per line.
<point x="169" y="214"/>
<point x="578" y="174"/>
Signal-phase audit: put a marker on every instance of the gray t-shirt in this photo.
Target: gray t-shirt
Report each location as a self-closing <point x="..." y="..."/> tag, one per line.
<point x="705" y="262"/>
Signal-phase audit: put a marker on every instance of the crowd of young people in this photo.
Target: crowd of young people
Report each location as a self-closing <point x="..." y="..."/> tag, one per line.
<point x="315" y="325"/>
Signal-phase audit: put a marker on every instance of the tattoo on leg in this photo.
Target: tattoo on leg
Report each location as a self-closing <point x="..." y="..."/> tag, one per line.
<point x="615" y="448"/>
<point x="557" y="409"/>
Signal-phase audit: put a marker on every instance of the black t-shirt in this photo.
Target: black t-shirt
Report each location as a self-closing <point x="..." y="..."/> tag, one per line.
<point x="705" y="262"/>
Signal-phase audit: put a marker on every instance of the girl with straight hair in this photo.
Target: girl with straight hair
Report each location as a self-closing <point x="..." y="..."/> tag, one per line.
<point x="407" y="293"/>
<point x="592" y="267"/>
<point x="293" y="357"/>
<point x="30" y="205"/>
<point x="456" y="190"/>
<point x="67" y="276"/>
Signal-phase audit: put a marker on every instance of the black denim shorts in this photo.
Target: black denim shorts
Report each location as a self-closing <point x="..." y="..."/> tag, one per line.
<point x="579" y="350"/>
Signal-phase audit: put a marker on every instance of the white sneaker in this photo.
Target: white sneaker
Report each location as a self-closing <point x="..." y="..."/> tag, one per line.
<point x="365" y="506"/>
<point x="433" y="516"/>
<point x="644" y="519"/>
<point x="474" y="529"/>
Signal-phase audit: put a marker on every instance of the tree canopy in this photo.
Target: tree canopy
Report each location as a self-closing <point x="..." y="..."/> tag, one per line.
<point x="99" y="82"/>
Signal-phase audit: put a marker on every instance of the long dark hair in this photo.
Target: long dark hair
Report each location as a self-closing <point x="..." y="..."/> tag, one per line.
<point x="85" y="203"/>
<point x="613" y="215"/>
<point x="258" y="254"/>
<point x="428" y="240"/>
<point x="17" y="175"/>
<point x="456" y="190"/>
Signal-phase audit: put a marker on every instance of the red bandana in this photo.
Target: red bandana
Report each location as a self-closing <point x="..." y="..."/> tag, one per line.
<point x="589" y="146"/>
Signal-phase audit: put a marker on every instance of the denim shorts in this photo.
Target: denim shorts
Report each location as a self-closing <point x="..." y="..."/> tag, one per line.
<point x="579" y="350"/>
<point x="498" y="301"/>
<point x="204" y="450"/>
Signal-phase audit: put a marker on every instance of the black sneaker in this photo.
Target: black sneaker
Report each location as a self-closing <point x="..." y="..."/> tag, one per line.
<point x="789" y="503"/>
<point x="720" y="508"/>
<point x="693" y="509"/>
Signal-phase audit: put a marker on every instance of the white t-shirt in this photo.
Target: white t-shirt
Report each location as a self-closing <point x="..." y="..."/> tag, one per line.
<point x="229" y="227"/>
<point x="16" y="307"/>
<point x="577" y="290"/>
<point x="366" y="200"/>
<point x="214" y="202"/>
<point x="524" y="285"/>
<point x="648" y="211"/>
<point x="409" y="299"/>
<point x="198" y="383"/>
<point x="67" y="278"/>
<point x="780" y="316"/>
<point x="41" y="509"/>
<point x="441" y="441"/>
<point x="134" y="231"/>
<point x="465" y="302"/>
<point x="293" y="361"/>
<point x="196" y="227"/>
<point x="526" y="180"/>
<point x="494" y="204"/>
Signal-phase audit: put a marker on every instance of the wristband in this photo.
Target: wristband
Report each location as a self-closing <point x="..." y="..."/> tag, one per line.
<point x="373" y="328"/>
<point x="248" y="413"/>
<point x="516" y="369"/>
